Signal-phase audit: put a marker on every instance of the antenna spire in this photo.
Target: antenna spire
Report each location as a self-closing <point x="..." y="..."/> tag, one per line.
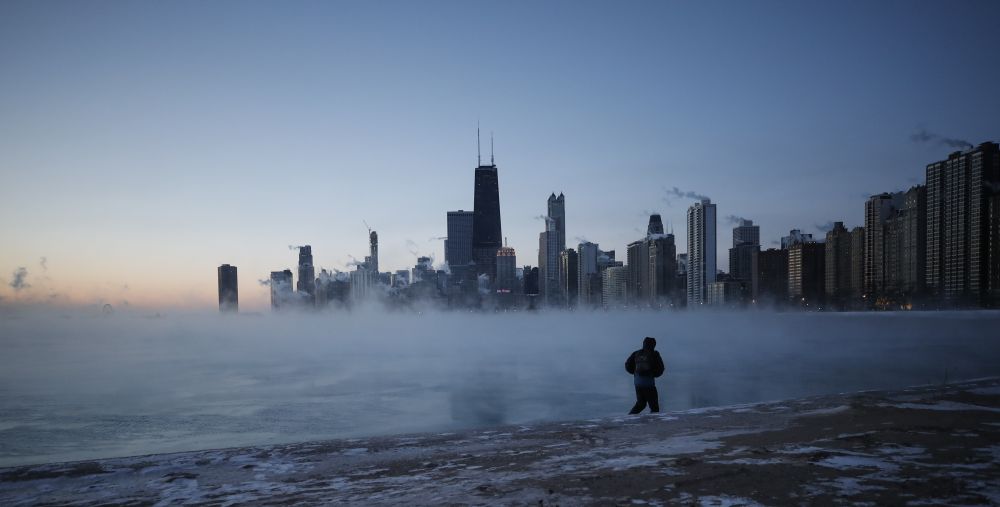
<point x="491" y="149"/>
<point x="479" y="156"/>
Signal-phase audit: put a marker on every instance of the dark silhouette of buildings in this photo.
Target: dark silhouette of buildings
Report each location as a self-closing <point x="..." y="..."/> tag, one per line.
<point x="307" y="275"/>
<point x="229" y="299"/>
<point x="958" y="193"/>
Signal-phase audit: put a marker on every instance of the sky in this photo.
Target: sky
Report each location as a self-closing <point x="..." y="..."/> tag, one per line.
<point x="143" y="144"/>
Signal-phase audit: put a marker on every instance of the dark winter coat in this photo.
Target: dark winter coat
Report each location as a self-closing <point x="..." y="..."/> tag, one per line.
<point x="654" y="362"/>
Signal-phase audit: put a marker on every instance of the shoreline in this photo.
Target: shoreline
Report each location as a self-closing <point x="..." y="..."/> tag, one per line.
<point x="936" y="443"/>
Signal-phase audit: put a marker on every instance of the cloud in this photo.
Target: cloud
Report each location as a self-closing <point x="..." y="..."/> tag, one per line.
<point x="922" y="136"/>
<point x="19" y="279"/>
<point x="44" y="263"/>
<point x="827" y="227"/>
<point x="676" y="193"/>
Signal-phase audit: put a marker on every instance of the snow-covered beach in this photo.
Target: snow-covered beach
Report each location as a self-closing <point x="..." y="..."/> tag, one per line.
<point x="935" y="444"/>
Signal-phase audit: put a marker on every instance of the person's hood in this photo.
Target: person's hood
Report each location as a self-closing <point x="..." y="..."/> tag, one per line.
<point x="649" y="343"/>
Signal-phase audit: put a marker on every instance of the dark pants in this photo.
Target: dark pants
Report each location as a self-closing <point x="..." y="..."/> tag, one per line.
<point x="644" y="395"/>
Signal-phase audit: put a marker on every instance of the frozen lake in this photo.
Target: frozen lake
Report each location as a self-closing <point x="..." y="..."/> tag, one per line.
<point x="80" y="387"/>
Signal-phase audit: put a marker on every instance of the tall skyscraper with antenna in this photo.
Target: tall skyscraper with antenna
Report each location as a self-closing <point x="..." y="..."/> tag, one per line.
<point x="486" y="232"/>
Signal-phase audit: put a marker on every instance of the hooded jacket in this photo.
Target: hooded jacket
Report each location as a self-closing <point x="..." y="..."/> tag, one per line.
<point x="656" y="364"/>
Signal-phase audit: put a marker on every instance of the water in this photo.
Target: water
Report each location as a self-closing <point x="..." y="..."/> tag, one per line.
<point x="79" y="387"/>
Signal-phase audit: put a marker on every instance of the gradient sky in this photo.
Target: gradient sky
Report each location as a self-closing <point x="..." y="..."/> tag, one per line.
<point x="142" y="144"/>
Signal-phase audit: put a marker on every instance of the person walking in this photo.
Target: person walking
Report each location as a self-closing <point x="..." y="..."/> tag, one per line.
<point x="645" y="365"/>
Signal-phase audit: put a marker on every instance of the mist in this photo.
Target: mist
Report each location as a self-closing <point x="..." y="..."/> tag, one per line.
<point x="76" y="385"/>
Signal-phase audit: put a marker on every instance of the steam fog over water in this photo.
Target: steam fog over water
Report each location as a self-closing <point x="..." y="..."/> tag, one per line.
<point x="81" y="387"/>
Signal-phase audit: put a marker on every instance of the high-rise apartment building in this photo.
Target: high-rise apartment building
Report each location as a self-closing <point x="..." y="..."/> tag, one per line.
<point x="229" y="298"/>
<point x="993" y="279"/>
<point x="905" y="247"/>
<point x="878" y="209"/>
<point x="281" y="289"/>
<point x="613" y="282"/>
<point x="958" y="191"/>
<point x="807" y="273"/>
<point x="458" y="246"/>
<point x="701" y="219"/>
<point x="838" y="265"/>
<point x="769" y="280"/>
<point x="307" y="275"/>
<point x="746" y="240"/>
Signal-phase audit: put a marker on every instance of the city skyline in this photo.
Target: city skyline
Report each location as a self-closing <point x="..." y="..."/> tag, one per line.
<point x="192" y="168"/>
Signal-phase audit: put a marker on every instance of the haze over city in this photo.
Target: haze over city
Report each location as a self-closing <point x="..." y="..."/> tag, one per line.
<point x="144" y="145"/>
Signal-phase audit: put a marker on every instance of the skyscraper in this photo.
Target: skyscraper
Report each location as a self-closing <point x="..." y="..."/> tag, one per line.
<point x="586" y="255"/>
<point x="662" y="268"/>
<point x="486" y="232"/>
<point x="701" y="250"/>
<point x="637" y="272"/>
<point x="557" y="212"/>
<point x="458" y="246"/>
<point x="307" y="275"/>
<point x="506" y="274"/>
<point x="372" y="251"/>
<point x="746" y="240"/>
<point x="229" y="299"/>
<point x="281" y="289"/>
<point x="568" y="265"/>
<point x="548" y="263"/>
<point x="655" y="225"/>
<point x="958" y="191"/>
